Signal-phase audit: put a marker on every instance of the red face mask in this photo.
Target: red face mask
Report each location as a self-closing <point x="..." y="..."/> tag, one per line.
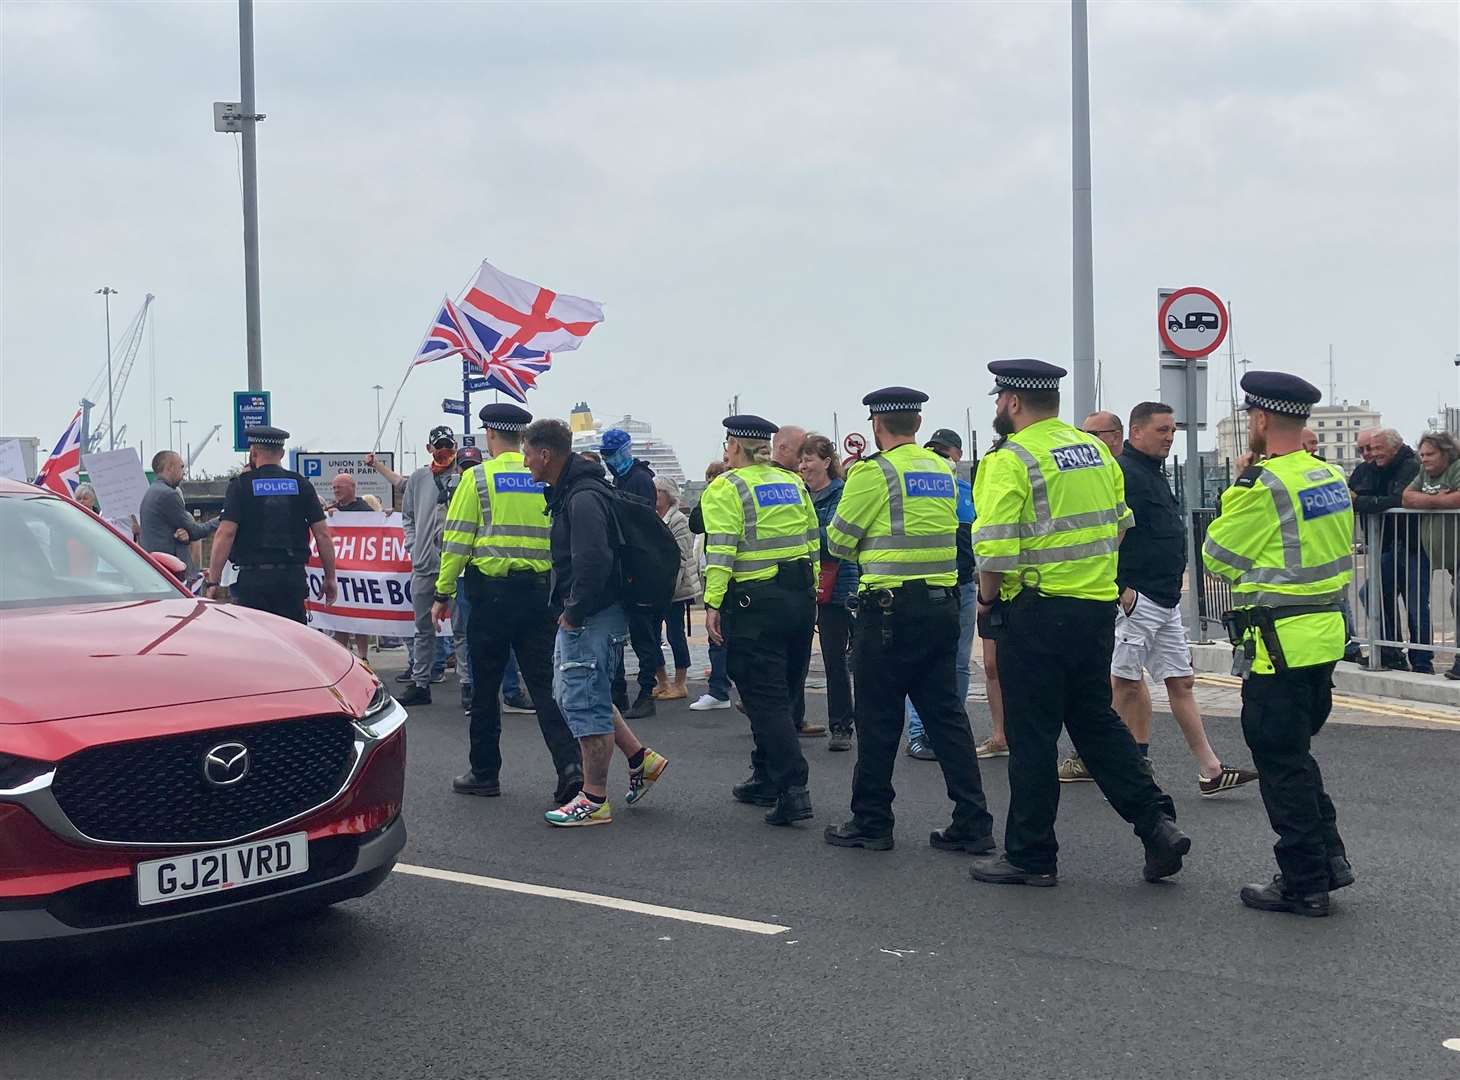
<point x="442" y="458"/>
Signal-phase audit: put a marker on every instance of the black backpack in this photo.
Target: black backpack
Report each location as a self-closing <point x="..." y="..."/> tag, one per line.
<point x="648" y="555"/>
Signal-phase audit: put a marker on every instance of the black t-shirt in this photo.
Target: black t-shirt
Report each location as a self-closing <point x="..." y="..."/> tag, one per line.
<point x="355" y="506"/>
<point x="273" y="509"/>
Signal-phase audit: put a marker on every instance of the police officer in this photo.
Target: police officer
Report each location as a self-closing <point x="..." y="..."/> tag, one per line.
<point x="1051" y="510"/>
<point x="1284" y="539"/>
<point x="762" y="552"/>
<point x="898" y="519"/>
<point x="497" y="533"/>
<point x="268" y="515"/>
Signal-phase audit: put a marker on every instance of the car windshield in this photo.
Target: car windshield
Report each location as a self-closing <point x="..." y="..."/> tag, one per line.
<point x="53" y="552"/>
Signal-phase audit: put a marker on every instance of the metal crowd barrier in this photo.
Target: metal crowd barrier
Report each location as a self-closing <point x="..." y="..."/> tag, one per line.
<point x="1402" y="601"/>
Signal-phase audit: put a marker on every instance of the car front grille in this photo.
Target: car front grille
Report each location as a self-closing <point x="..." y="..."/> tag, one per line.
<point x="155" y="791"/>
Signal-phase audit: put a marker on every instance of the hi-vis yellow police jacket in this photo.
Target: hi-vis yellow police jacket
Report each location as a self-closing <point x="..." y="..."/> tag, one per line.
<point x="497" y="522"/>
<point x="756" y="517"/>
<point x="1284" y="538"/>
<point x="1051" y="510"/>
<point x="898" y="518"/>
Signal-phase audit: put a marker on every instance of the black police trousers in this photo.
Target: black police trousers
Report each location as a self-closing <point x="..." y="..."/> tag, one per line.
<point x="767" y="629"/>
<point x="1280" y="715"/>
<point x="510" y="614"/>
<point x="278" y="590"/>
<point x="908" y="651"/>
<point x="1054" y="663"/>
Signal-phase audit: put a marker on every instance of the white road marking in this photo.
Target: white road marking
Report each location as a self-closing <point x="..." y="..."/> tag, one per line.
<point x="725" y="922"/>
<point x="1451" y="1044"/>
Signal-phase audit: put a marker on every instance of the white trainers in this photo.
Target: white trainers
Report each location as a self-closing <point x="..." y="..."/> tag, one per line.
<point x="708" y="702"/>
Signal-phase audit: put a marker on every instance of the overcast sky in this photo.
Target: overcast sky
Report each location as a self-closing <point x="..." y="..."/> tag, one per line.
<point x="792" y="203"/>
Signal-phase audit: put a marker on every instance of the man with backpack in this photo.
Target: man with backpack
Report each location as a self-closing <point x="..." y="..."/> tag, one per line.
<point x="609" y="553"/>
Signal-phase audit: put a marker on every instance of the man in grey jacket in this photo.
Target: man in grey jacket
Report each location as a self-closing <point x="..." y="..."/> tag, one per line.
<point x="425" y="494"/>
<point x="166" y="524"/>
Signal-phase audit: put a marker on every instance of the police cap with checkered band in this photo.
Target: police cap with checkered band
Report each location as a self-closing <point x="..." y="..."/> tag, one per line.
<point x="1281" y="393"/>
<point x="892" y="399"/>
<point x="504" y="416"/>
<point x="749" y="426"/>
<point x="263" y="435"/>
<point x="1025" y="374"/>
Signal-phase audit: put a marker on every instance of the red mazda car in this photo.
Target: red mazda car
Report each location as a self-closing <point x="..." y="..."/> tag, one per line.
<point x="167" y="761"/>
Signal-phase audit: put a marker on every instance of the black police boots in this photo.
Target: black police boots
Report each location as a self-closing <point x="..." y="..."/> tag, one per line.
<point x="1275" y="896"/>
<point x="474" y="783"/>
<point x="1164" y="850"/>
<point x="1340" y="873"/>
<point x="570" y="782"/>
<point x="850" y="834"/>
<point x="954" y="839"/>
<point x="643" y="706"/>
<point x="755" y="791"/>
<point x="793" y="804"/>
<point x="1003" y="872"/>
<point x="416" y="695"/>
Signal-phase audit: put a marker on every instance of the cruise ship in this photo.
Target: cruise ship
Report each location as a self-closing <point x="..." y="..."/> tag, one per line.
<point x="645" y="444"/>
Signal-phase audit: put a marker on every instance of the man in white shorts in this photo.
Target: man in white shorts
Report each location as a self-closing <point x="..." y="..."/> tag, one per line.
<point x="1149" y="635"/>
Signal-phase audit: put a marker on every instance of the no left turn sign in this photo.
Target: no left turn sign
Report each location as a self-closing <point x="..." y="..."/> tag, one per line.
<point x="1191" y="322"/>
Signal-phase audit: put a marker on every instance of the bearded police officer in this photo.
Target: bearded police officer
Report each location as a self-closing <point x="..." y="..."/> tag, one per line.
<point x="762" y="554"/>
<point x="1284" y="539"/>
<point x="497" y="533"/>
<point x="1051" y="510"/>
<point x="898" y="519"/>
<point x="268" y="515"/>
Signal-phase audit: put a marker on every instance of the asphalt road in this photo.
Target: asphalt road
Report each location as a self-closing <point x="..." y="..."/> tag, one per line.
<point x="894" y="964"/>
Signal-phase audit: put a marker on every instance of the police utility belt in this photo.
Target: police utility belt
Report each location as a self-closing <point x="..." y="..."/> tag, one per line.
<point x="515" y="575"/>
<point x="916" y="591"/>
<point x="793" y="576"/>
<point x="1239" y="624"/>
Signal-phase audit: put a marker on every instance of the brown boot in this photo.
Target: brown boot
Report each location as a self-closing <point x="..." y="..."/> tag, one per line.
<point x="679" y="689"/>
<point x="661" y="685"/>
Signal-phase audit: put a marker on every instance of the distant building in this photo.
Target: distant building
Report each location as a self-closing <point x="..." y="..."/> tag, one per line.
<point x="645" y="444"/>
<point x="1337" y="428"/>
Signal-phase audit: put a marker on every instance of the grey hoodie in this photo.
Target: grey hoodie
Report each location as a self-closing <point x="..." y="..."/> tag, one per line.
<point x="423" y="514"/>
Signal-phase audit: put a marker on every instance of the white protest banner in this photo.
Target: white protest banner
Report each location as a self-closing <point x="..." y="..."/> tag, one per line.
<point x="373" y="572"/>
<point x="119" y="481"/>
<point x="12" y="460"/>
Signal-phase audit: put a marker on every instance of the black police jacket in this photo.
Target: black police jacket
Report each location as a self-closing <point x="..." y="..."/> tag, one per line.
<point x="1153" y="553"/>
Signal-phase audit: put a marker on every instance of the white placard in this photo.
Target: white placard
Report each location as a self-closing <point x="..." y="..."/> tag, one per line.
<point x="12" y="460"/>
<point x="119" y="481"/>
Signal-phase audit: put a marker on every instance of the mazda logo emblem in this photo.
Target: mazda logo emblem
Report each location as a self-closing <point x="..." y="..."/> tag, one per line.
<point x="225" y="764"/>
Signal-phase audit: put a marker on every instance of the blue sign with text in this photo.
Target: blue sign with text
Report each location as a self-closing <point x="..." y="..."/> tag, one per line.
<point x="250" y="409"/>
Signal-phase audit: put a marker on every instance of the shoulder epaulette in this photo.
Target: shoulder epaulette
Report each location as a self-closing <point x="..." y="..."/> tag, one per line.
<point x="1248" y="476"/>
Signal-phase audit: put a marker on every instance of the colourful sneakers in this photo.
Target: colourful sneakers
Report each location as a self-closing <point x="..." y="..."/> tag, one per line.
<point x="642" y="778"/>
<point x="580" y="811"/>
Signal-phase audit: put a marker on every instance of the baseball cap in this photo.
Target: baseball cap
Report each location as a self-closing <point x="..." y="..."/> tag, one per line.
<point x="441" y="433"/>
<point x="946" y="437"/>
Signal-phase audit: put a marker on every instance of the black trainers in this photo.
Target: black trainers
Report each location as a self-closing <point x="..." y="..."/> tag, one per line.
<point x="919" y="750"/>
<point x="1340" y="873"/>
<point x="841" y="740"/>
<point x="1165" y="848"/>
<point x="951" y="839"/>
<point x="518" y="703"/>
<point x="466" y="702"/>
<point x="1274" y="896"/>
<point x="416" y="695"/>
<point x="1454" y="672"/>
<point x="1003" y="872"/>
<point x="641" y="708"/>
<point x="404" y="677"/>
<point x="1225" y="780"/>
<point x="794" y="804"/>
<point x="850" y="834"/>
<point x="754" y="791"/>
<point x="471" y="783"/>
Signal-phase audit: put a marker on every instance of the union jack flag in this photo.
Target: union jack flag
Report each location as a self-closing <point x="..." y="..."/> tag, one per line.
<point x="514" y="373"/>
<point x="443" y="339"/>
<point x="62" y="471"/>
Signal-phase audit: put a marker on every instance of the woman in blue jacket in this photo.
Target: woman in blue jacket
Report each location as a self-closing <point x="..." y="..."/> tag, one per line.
<point x="822" y="472"/>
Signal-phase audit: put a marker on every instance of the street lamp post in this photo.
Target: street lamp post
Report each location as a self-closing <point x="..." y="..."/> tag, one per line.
<point x="377" y="388"/>
<point x="106" y="292"/>
<point x="170" y="399"/>
<point x="179" y="424"/>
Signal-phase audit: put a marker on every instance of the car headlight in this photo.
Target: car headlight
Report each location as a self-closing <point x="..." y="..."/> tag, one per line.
<point x="379" y="702"/>
<point x="16" y="771"/>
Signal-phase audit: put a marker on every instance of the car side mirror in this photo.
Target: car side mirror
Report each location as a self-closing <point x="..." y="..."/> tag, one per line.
<point x="170" y="563"/>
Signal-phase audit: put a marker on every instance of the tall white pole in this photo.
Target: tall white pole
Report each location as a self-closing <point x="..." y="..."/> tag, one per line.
<point x="106" y="292"/>
<point x="1084" y="283"/>
<point x="249" y="121"/>
<point x="170" y="400"/>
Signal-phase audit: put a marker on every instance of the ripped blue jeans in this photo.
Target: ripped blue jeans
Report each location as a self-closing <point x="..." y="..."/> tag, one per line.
<point x="585" y="660"/>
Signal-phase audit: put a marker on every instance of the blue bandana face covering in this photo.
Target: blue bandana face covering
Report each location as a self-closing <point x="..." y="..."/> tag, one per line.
<point x="620" y="461"/>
